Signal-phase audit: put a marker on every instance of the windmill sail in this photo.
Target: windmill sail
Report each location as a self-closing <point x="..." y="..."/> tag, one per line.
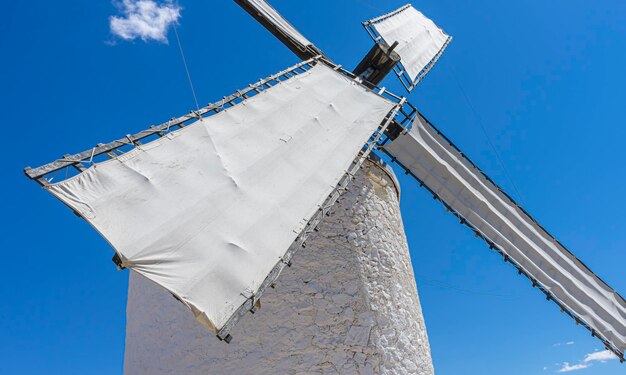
<point x="263" y="12"/>
<point x="465" y="190"/>
<point x="420" y="42"/>
<point x="209" y="211"/>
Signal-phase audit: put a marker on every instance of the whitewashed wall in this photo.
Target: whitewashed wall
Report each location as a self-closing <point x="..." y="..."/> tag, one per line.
<point x="348" y="305"/>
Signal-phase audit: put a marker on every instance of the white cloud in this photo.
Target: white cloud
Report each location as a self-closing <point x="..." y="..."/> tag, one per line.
<point x="144" y="19"/>
<point x="561" y="344"/>
<point x="600" y="356"/>
<point x="569" y="368"/>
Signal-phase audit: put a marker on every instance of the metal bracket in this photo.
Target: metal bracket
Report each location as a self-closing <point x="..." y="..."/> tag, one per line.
<point x="118" y="262"/>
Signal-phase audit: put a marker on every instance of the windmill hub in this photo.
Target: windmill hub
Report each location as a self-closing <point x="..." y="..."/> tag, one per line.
<point x="378" y="63"/>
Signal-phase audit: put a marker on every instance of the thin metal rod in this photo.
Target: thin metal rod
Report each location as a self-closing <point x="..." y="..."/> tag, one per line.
<point x="182" y="54"/>
<point x="479" y="120"/>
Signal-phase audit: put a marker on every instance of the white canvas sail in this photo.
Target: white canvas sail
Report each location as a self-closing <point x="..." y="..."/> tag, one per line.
<point x="209" y="210"/>
<point x="420" y="41"/>
<point x="463" y="187"/>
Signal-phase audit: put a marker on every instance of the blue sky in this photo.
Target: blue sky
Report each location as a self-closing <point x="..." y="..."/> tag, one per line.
<point x="546" y="79"/>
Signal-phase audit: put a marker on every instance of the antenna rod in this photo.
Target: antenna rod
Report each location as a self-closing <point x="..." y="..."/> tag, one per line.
<point x="393" y="46"/>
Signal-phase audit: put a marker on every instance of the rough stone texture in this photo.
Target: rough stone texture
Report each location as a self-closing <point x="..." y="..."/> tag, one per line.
<point x="348" y="305"/>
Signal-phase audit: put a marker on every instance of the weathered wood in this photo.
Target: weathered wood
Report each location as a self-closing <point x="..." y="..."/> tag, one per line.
<point x="378" y="63"/>
<point x="303" y="52"/>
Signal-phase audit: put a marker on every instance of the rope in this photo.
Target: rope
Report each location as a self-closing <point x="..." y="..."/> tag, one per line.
<point x="93" y="152"/>
<point x="371" y="6"/>
<point x="182" y="54"/>
<point x="54" y="176"/>
<point x="484" y="130"/>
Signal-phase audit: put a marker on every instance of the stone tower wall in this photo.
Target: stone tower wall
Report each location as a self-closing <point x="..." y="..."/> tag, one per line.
<point x="348" y="305"/>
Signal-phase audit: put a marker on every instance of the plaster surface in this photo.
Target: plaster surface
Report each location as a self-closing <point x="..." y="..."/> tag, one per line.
<point x="348" y="305"/>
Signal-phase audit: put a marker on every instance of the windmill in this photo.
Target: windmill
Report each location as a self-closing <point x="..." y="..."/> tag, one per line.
<point x="212" y="205"/>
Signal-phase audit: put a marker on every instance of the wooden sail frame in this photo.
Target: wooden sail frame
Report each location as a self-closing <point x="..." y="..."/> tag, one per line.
<point x="401" y="115"/>
<point x="492" y="246"/>
<point x="80" y="161"/>
<point x="399" y="69"/>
